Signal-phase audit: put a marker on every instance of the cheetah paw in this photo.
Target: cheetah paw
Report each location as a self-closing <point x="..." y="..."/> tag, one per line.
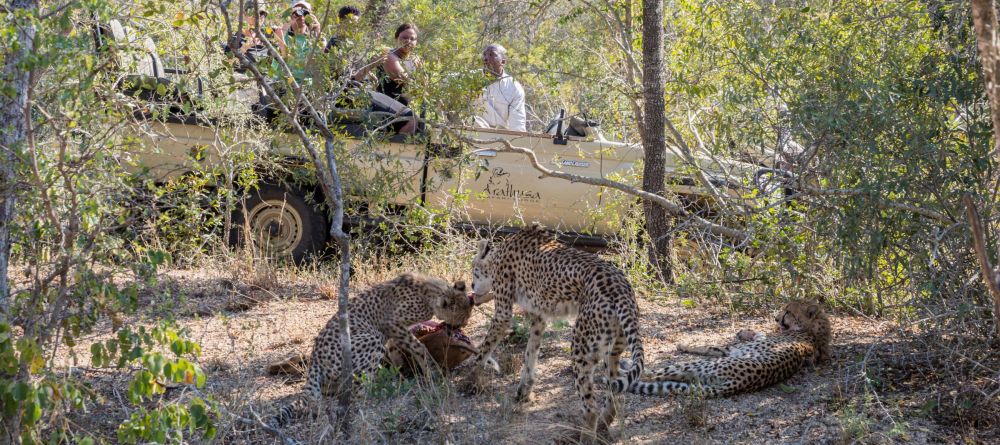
<point x="522" y="395"/>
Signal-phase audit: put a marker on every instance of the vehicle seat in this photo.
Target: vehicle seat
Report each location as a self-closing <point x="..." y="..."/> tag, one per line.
<point x="577" y="126"/>
<point x="144" y="75"/>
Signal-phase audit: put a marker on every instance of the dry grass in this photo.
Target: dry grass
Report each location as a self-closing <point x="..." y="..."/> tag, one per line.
<point x="246" y="315"/>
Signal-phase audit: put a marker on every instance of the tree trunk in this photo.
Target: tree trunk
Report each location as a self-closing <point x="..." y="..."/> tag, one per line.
<point x="13" y="130"/>
<point x="991" y="276"/>
<point x="984" y="20"/>
<point x="329" y="179"/>
<point x="653" y="133"/>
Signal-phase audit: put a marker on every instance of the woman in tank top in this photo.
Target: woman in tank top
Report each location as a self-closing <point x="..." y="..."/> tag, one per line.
<point x="393" y="73"/>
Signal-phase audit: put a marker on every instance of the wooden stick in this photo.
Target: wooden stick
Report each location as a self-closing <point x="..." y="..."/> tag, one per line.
<point x="990" y="275"/>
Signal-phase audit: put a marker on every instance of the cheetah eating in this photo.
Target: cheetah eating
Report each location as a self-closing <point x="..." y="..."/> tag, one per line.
<point x="380" y="314"/>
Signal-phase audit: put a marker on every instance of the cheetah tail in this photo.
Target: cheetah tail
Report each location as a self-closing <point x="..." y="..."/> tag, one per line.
<point x="630" y="326"/>
<point x="664" y="387"/>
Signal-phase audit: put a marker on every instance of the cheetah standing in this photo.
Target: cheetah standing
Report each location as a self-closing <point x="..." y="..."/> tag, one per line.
<point x="551" y="280"/>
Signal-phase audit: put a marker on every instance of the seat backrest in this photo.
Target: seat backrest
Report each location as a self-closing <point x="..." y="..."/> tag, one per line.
<point x="136" y="55"/>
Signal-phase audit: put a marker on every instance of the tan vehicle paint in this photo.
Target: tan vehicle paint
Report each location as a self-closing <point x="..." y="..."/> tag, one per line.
<point x="508" y="192"/>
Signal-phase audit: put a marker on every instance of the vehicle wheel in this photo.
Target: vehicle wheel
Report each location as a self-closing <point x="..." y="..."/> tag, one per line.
<point x="281" y="223"/>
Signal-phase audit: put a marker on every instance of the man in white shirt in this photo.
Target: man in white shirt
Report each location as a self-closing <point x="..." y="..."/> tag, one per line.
<point x="502" y="102"/>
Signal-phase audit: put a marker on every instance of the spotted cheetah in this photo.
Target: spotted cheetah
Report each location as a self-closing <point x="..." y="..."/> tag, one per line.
<point x="754" y="362"/>
<point x="380" y="314"/>
<point x="551" y="280"/>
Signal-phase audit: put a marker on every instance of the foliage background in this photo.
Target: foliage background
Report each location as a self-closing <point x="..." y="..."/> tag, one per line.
<point x="878" y="108"/>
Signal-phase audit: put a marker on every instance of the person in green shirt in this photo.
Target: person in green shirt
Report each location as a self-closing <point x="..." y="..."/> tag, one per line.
<point x="298" y="39"/>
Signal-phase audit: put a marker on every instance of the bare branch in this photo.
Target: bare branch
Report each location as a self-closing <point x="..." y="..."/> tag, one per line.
<point x="674" y="209"/>
<point x="689" y="157"/>
<point x="990" y="275"/>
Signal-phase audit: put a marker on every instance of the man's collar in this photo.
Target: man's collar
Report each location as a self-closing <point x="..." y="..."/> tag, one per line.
<point x="488" y="72"/>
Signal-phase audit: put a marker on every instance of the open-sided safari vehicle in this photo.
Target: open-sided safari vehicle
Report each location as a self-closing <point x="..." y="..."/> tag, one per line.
<point x="497" y="189"/>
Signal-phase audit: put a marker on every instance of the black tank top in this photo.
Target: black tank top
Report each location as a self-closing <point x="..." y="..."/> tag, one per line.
<point x="390" y="87"/>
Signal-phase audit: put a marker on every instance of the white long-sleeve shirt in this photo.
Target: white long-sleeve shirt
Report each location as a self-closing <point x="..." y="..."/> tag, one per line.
<point x="502" y="105"/>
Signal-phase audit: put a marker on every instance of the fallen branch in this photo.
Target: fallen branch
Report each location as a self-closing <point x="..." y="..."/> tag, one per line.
<point x="990" y="275"/>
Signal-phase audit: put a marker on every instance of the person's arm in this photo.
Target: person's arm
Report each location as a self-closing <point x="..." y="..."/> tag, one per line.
<point x="314" y="27"/>
<point x="394" y="69"/>
<point x="516" y="117"/>
<point x="249" y="42"/>
<point x="363" y="71"/>
<point x="279" y="33"/>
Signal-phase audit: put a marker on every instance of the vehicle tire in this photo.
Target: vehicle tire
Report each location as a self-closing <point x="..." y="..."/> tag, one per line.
<point x="281" y="222"/>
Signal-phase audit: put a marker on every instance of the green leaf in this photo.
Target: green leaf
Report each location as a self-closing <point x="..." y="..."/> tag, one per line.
<point x="156" y="257"/>
<point x="37" y="364"/>
<point x="177" y="347"/>
<point x="20" y="391"/>
<point x="96" y="354"/>
<point x="32" y="412"/>
<point x="787" y="389"/>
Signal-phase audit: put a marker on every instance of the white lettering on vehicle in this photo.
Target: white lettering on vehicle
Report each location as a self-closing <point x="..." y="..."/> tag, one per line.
<point x="572" y="163"/>
<point x="498" y="186"/>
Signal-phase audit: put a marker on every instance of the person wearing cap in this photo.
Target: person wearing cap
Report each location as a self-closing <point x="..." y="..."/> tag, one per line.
<point x="302" y="27"/>
<point x="298" y="39"/>
<point x="502" y="103"/>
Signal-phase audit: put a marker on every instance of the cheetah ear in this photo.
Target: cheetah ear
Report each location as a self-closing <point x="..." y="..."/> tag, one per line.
<point x="460" y="285"/>
<point x="812" y="310"/>
<point x="484" y="248"/>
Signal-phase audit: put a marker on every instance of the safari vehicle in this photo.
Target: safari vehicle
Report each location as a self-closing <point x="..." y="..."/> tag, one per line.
<point x="505" y="192"/>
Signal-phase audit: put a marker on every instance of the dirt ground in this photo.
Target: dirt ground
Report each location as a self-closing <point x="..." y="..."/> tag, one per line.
<point x="243" y="326"/>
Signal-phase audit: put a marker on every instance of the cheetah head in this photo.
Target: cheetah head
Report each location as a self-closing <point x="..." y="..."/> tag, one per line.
<point x="452" y="306"/>
<point x="482" y="274"/>
<point x="800" y="315"/>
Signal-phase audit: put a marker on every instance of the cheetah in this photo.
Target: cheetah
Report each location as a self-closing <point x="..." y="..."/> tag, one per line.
<point x="754" y="362"/>
<point x="378" y="315"/>
<point x="550" y="280"/>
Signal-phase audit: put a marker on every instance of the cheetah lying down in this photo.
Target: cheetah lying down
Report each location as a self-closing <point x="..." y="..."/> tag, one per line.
<point x="754" y="362"/>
